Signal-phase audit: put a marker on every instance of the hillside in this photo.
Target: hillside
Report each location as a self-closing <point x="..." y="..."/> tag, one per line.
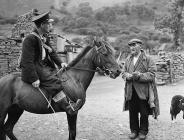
<point x="9" y="8"/>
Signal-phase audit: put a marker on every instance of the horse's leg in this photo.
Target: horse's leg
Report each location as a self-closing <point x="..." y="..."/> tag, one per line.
<point x="2" y="133"/>
<point x="3" y="113"/>
<point x="72" y="122"/>
<point x="14" y="114"/>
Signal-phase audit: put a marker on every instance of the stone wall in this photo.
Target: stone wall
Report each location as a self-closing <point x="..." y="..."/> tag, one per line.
<point x="9" y="55"/>
<point x="170" y="69"/>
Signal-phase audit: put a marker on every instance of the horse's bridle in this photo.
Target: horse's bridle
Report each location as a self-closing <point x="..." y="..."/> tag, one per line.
<point x="103" y="51"/>
<point x="99" y="50"/>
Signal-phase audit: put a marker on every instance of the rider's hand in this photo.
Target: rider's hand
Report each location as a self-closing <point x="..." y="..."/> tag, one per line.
<point x="64" y="65"/>
<point x="36" y="83"/>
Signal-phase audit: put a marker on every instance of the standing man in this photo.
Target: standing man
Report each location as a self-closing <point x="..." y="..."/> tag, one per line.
<point x="139" y="75"/>
<point x="39" y="60"/>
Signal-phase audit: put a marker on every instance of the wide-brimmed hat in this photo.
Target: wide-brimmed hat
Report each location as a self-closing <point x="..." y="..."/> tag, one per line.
<point x="44" y="17"/>
<point x="135" y="40"/>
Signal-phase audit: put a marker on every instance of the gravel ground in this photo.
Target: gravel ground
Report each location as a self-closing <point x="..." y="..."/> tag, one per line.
<point x="101" y="118"/>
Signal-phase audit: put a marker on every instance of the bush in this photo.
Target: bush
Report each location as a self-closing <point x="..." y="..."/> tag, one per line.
<point x="77" y="40"/>
<point x="151" y="46"/>
<point x="134" y="29"/>
<point x="155" y="36"/>
<point x="8" y="21"/>
<point x="125" y="32"/>
<point x="165" y="39"/>
<point x="82" y="22"/>
<point x="85" y="31"/>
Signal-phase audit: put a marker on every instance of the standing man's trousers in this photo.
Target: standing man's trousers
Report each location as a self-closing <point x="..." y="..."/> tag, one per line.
<point x="136" y="106"/>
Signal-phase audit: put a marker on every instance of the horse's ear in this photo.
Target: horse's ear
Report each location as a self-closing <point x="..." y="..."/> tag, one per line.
<point x="96" y="43"/>
<point x="102" y="48"/>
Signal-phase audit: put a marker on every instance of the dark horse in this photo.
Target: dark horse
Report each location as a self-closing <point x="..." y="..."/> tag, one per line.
<point x="17" y="96"/>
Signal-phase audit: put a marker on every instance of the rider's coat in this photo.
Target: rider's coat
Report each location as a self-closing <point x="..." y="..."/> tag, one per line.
<point x="34" y="68"/>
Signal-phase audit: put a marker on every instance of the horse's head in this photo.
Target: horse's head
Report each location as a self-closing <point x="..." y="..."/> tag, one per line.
<point x="105" y="59"/>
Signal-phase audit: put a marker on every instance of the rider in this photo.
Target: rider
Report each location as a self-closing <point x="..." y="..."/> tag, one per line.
<point x="39" y="60"/>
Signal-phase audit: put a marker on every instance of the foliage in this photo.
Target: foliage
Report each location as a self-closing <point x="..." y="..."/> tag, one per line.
<point x="82" y="22"/>
<point x="84" y="10"/>
<point x="165" y="38"/>
<point x="173" y="21"/>
<point x="106" y="15"/>
<point x="8" y="21"/>
<point x="134" y="29"/>
<point x="115" y="20"/>
<point x="142" y="12"/>
<point x="77" y="40"/>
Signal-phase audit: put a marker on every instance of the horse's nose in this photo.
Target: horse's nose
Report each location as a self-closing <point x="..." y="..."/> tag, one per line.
<point x="118" y="72"/>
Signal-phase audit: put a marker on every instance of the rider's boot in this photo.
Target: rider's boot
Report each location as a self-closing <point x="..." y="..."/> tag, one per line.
<point x="71" y="107"/>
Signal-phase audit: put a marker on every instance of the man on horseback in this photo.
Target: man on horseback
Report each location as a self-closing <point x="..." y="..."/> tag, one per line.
<point x="39" y="60"/>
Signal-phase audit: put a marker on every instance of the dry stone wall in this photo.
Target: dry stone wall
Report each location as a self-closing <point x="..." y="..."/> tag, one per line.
<point x="9" y="55"/>
<point x="170" y="69"/>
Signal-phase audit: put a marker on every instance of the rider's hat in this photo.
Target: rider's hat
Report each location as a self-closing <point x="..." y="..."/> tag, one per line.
<point x="135" y="40"/>
<point x="40" y="18"/>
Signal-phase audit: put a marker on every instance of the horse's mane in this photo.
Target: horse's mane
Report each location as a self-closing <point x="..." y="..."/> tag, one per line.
<point x="79" y="56"/>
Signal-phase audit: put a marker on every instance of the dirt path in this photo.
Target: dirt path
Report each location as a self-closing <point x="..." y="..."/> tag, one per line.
<point x="102" y="118"/>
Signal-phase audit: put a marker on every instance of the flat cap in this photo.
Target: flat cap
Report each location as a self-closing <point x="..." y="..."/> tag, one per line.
<point x="135" y="40"/>
<point x="44" y="17"/>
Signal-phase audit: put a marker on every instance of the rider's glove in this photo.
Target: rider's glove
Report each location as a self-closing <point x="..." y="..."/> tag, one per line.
<point x="36" y="83"/>
<point x="64" y="65"/>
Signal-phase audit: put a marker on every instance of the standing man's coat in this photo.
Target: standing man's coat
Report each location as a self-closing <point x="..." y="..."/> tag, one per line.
<point x="145" y="83"/>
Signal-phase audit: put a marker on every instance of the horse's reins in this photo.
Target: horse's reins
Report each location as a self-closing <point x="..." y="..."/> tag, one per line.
<point x="97" y="49"/>
<point x="61" y="69"/>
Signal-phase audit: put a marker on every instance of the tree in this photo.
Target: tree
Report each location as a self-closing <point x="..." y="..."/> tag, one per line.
<point x="172" y="21"/>
<point x="85" y="10"/>
<point x="106" y="15"/>
<point x="82" y="22"/>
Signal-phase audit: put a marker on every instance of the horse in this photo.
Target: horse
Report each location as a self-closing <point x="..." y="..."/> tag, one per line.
<point x="17" y="96"/>
<point x="177" y="105"/>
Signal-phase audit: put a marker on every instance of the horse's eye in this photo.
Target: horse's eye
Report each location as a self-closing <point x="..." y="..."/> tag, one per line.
<point x="108" y="65"/>
<point x="105" y="54"/>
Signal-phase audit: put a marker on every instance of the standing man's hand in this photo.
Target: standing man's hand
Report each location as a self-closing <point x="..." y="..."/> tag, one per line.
<point x="64" y="65"/>
<point x="36" y="83"/>
<point x="136" y="75"/>
<point x="127" y="76"/>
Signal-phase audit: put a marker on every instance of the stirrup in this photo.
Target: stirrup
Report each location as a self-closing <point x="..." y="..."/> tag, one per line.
<point x="76" y="106"/>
